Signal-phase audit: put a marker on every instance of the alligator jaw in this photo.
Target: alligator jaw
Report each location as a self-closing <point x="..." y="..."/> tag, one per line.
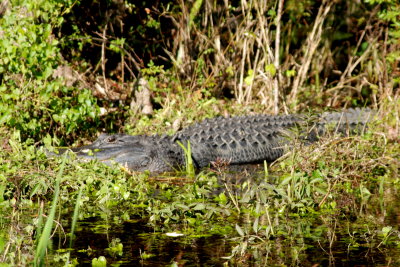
<point x="131" y="154"/>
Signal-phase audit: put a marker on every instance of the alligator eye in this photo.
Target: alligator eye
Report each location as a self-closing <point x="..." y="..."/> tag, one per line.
<point x="145" y="161"/>
<point x="111" y="139"/>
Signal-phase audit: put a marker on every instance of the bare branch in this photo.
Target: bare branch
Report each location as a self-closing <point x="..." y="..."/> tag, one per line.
<point x="311" y="45"/>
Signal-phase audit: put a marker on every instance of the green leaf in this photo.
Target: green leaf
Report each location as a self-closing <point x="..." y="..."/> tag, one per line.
<point x="99" y="262"/>
<point x="239" y="230"/>
<point x="270" y="69"/>
<point x="199" y="206"/>
<point x="250" y="76"/>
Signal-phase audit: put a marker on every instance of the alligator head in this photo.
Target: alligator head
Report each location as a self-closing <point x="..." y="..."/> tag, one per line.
<point x="137" y="153"/>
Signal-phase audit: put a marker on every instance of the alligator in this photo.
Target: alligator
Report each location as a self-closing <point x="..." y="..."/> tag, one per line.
<point x="234" y="140"/>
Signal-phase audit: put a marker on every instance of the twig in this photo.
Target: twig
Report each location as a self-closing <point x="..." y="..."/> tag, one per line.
<point x="350" y="66"/>
<point x="249" y="88"/>
<point x="103" y="57"/>
<point x="276" y="58"/>
<point x="327" y="194"/>
<point x="240" y="94"/>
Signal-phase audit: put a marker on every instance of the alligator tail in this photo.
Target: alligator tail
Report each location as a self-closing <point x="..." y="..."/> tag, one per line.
<point x="350" y="121"/>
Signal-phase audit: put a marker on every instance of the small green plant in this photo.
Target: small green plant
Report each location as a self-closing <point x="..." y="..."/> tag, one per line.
<point x="115" y="248"/>
<point x="385" y="233"/>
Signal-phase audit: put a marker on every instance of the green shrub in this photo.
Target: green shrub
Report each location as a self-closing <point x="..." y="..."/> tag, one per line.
<point x="31" y="100"/>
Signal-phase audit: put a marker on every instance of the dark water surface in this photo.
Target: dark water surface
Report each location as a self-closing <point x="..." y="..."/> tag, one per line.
<point x="144" y="247"/>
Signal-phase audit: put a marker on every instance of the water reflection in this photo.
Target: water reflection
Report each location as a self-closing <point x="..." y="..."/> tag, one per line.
<point x="144" y="247"/>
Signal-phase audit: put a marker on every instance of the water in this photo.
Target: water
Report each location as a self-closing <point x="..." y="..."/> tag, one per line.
<point x="142" y="246"/>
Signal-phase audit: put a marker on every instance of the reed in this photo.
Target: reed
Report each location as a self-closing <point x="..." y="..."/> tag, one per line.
<point x="44" y="237"/>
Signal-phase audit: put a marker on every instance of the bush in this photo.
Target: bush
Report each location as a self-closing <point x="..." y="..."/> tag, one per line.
<point x="32" y="101"/>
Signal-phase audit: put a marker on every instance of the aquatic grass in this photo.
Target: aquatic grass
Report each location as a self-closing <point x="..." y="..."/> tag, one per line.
<point x="45" y="235"/>
<point x="189" y="166"/>
<point x="381" y="192"/>
<point x="39" y="226"/>
<point x="74" y="220"/>
<point x="75" y="215"/>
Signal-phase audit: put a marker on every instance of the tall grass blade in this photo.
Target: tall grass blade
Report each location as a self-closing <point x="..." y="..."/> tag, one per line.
<point x="75" y="215"/>
<point x="266" y="173"/>
<point x="39" y="227"/>
<point x="194" y="11"/>
<point x="188" y="159"/>
<point x="74" y="220"/>
<point x="45" y="236"/>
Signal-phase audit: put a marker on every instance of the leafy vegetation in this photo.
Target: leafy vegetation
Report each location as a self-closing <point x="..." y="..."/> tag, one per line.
<point x="32" y="101"/>
<point x="67" y="73"/>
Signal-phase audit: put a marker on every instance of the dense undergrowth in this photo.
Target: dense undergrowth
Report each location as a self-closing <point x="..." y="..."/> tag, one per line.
<point x="351" y="194"/>
<point x="66" y="75"/>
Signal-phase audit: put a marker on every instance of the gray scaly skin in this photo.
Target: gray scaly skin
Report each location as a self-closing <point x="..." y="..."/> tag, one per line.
<point x="235" y="140"/>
